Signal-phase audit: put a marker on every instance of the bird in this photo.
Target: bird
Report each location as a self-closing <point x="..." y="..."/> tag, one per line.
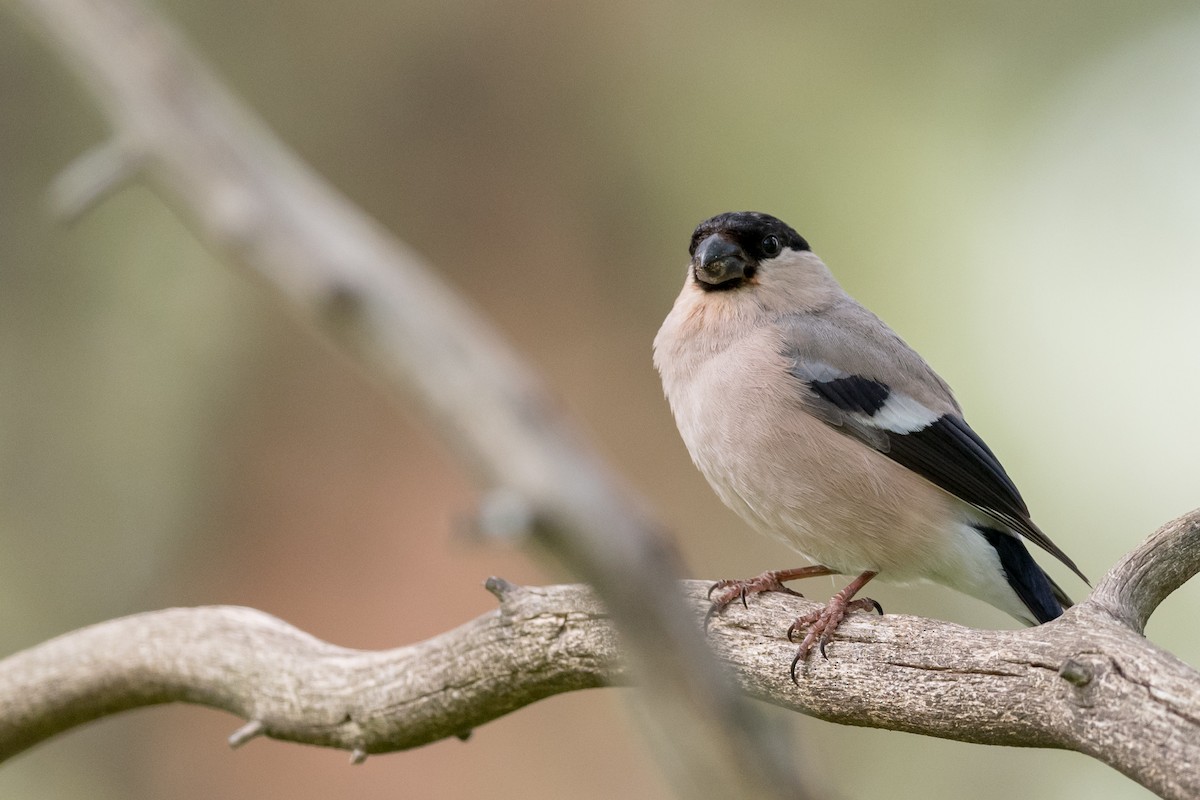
<point x="820" y="427"/>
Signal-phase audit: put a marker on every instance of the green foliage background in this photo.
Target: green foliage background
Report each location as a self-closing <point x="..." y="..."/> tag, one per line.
<point x="1012" y="186"/>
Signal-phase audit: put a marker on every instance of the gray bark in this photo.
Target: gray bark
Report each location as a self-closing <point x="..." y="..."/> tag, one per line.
<point x="1087" y="682"/>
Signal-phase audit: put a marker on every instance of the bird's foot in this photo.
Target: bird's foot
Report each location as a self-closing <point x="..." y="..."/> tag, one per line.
<point x="823" y="622"/>
<point x="722" y="593"/>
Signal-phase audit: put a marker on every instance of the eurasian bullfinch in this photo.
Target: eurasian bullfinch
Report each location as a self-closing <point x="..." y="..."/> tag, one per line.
<point x="820" y="427"/>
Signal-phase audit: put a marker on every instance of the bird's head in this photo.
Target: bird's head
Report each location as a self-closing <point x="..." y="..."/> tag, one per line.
<point x="751" y="260"/>
<point x="729" y="251"/>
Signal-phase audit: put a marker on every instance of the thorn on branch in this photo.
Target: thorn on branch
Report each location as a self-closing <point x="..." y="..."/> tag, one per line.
<point x="357" y="756"/>
<point x="251" y="730"/>
<point x="92" y="177"/>
<point x="500" y="588"/>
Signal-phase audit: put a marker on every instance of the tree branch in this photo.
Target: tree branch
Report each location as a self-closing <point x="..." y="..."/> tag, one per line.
<point x="1143" y="578"/>
<point x="255" y="203"/>
<point x="1085" y="682"/>
<point x="295" y="687"/>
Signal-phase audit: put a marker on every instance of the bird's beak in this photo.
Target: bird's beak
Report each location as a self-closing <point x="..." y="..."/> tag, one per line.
<point x="719" y="260"/>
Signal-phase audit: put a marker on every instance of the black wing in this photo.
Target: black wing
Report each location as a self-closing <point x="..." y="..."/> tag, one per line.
<point x="941" y="448"/>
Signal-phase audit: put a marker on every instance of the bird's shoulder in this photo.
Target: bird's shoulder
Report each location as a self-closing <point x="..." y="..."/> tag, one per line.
<point x="847" y="341"/>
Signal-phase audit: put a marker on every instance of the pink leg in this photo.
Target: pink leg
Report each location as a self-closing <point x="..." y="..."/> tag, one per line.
<point x="824" y="621"/>
<point x="727" y="591"/>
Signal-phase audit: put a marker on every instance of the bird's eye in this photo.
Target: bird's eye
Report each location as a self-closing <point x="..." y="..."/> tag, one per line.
<point x="771" y="246"/>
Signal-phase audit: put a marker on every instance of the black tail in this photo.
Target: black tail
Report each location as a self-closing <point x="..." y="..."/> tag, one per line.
<point x="1042" y="596"/>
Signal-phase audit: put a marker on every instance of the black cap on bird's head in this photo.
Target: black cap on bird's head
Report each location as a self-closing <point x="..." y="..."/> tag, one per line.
<point x="727" y="249"/>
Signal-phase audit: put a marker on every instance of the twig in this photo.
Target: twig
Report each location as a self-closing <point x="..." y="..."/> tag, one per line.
<point x="251" y="730"/>
<point x="1144" y="577"/>
<point x="92" y="177"/>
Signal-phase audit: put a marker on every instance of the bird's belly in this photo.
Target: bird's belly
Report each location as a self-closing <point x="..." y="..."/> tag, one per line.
<point x="825" y="494"/>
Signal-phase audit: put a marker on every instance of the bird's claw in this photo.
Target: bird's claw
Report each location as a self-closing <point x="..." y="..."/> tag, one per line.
<point x="822" y="623"/>
<point x="728" y="590"/>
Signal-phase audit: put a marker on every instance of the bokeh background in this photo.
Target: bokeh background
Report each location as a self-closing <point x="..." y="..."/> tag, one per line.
<point x="1015" y="187"/>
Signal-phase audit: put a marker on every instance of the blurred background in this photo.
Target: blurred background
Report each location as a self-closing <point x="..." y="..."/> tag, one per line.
<point x="1014" y="187"/>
